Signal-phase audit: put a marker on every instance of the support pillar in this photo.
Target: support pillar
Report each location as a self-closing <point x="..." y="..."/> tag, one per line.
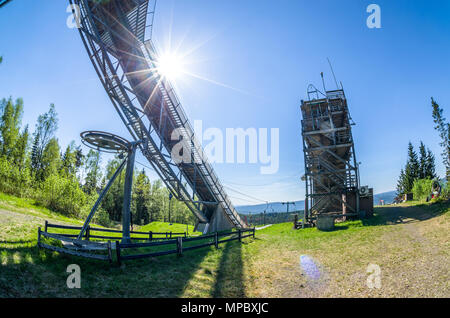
<point x="126" y="209"/>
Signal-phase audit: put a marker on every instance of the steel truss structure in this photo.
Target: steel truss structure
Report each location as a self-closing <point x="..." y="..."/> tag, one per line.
<point x="331" y="170"/>
<point x="117" y="36"/>
<point x="3" y="2"/>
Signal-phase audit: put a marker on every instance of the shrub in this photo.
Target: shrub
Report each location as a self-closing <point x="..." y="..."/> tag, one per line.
<point x="422" y="189"/>
<point x="62" y="194"/>
<point x="13" y="180"/>
<point x="101" y="217"/>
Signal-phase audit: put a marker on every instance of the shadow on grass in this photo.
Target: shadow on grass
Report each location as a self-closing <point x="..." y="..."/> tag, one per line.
<point x="33" y="272"/>
<point x="336" y="228"/>
<point x="17" y="242"/>
<point x="229" y="281"/>
<point x="392" y="215"/>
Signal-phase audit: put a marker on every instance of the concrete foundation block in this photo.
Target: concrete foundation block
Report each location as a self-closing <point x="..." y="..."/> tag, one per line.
<point x="325" y="223"/>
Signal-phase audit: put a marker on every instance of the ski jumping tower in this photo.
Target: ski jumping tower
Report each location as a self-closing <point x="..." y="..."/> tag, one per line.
<point x="117" y="36"/>
<point x="331" y="169"/>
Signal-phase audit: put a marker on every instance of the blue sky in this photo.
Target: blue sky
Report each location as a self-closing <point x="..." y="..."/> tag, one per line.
<point x="265" y="53"/>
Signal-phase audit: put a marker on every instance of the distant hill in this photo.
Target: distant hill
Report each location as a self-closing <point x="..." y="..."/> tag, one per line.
<point x="388" y="197"/>
<point x="274" y="207"/>
<point x="278" y="207"/>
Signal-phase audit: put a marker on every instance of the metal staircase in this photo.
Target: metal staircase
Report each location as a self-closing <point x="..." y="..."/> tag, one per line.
<point x="114" y="34"/>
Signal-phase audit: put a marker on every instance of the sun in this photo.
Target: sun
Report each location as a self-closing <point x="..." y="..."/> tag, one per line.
<point x="170" y="66"/>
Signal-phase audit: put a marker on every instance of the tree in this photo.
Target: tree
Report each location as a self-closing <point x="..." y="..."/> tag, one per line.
<point x="113" y="201"/>
<point x="10" y="123"/>
<point x="51" y="160"/>
<point x="70" y="160"/>
<point x="422" y="161"/>
<point x="444" y="133"/>
<point x="46" y="126"/>
<point x="141" y="199"/>
<point x="93" y="174"/>
<point x="21" y="149"/>
<point x="401" y="183"/>
<point x="430" y="166"/>
<point x="411" y="169"/>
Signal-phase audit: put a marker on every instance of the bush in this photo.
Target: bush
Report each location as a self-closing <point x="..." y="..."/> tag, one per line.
<point x="13" y="180"/>
<point x="62" y="194"/>
<point x="422" y="189"/>
<point x="101" y="217"/>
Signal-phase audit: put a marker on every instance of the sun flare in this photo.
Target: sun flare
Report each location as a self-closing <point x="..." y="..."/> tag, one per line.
<point x="170" y="66"/>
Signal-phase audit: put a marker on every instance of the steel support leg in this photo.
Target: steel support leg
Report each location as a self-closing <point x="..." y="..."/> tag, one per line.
<point x="126" y="210"/>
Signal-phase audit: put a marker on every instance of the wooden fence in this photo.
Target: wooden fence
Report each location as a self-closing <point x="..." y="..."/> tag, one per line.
<point x="178" y="244"/>
<point x="144" y="236"/>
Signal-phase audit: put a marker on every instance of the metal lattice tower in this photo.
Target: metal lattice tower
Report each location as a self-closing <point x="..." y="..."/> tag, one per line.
<point x="117" y="36"/>
<point x="331" y="170"/>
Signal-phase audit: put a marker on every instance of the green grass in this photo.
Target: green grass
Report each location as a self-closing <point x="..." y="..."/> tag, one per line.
<point x="162" y="227"/>
<point x="410" y="243"/>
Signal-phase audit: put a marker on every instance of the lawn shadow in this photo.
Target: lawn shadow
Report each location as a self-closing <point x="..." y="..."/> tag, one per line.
<point x="33" y="272"/>
<point x="393" y="215"/>
<point x="229" y="281"/>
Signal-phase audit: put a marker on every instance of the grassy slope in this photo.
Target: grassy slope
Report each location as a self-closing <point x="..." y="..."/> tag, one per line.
<point x="162" y="227"/>
<point x="410" y="244"/>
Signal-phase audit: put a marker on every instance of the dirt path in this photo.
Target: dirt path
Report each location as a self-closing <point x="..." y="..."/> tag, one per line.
<point x="409" y="244"/>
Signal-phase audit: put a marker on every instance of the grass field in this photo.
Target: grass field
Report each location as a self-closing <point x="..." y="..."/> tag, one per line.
<point x="409" y="243"/>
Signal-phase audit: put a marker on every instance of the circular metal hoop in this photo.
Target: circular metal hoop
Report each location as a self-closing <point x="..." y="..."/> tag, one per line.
<point x="106" y="142"/>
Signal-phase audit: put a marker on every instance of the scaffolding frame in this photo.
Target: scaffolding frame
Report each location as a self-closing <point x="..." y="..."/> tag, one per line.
<point x="331" y="170"/>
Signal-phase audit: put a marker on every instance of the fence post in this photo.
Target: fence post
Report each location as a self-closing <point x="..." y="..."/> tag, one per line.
<point x="46" y="225"/>
<point x="216" y="240"/>
<point x="88" y="232"/>
<point x="39" y="238"/>
<point x="240" y="235"/>
<point x="118" y="252"/>
<point x="185" y="235"/>
<point x="109" y="252"/>
<point x="150" y="235"/>
<point x="180" y="246"/>
<point x="170" y="234"/>
<point x="254" y="230"/>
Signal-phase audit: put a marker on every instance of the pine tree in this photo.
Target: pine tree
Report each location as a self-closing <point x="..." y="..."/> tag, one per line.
<point x="444" y="132"/>
<point x="422" y="161"/>
<point x="69" y="160"/>
<point x="430" y="171"/>
<point x="401" y="183"/>
<point x="411" y="169"/>
<point x="141" y="198"/>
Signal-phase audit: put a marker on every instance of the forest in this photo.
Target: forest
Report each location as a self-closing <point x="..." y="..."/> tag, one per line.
<point x="68" y="181"/>
<point x="420" y="170"/>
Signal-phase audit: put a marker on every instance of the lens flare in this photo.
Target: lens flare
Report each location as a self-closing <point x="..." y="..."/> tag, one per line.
<point x="310" y="268"/>
<point x="170" y="66"/>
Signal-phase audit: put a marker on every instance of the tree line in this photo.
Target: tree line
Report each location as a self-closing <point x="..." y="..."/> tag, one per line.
<point x="69" y="182"/>
<point x="420" y="169"/>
